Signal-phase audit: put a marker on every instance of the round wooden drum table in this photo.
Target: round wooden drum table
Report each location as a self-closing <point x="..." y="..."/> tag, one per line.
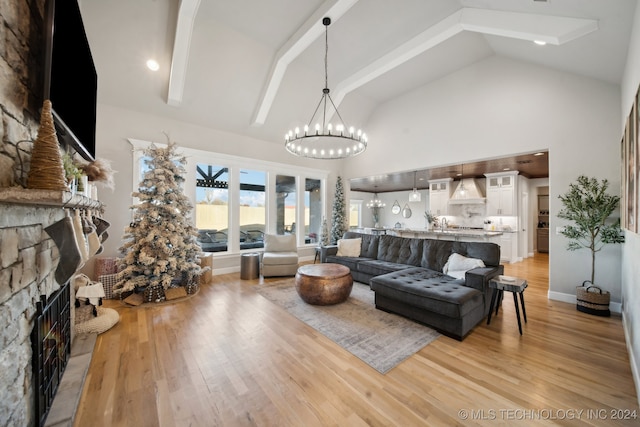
<point x="324" y="284"/>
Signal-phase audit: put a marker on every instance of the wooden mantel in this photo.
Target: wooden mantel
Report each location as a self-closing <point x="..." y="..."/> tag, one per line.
<point x="65" y="199"/>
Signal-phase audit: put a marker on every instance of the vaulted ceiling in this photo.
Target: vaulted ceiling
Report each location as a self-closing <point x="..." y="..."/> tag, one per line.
<point x="256" y="67"/>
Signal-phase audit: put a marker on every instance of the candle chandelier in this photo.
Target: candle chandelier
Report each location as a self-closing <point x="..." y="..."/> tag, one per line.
<point x="325" y="141"/>
<point x="376" y="203"/>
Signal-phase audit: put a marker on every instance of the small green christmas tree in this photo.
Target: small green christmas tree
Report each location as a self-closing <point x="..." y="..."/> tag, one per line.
<point x="339" y="216"/>
<point x="160" y="249"/>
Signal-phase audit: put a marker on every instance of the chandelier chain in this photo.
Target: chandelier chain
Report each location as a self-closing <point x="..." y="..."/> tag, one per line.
<point x="326" y="56"/>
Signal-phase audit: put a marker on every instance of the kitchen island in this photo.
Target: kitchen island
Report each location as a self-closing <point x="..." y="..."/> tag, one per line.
<point x="508" y="250"/>
<point x="455" y="234"/>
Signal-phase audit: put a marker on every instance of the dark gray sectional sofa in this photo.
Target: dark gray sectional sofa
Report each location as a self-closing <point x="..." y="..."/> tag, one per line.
<point x="406" y="276"/>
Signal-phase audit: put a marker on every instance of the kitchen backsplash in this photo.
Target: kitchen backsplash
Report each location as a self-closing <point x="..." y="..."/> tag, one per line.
<point x="471" y="216"/>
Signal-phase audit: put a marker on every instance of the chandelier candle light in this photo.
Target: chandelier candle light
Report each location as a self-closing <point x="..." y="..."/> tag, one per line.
<point x="325" y="141"/>
<point x="375" y="205"/>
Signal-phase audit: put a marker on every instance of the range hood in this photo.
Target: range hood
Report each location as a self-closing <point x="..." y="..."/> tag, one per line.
<point x="467" y="192"/>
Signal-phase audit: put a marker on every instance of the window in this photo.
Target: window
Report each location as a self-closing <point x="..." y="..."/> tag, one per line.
<point x="212" y="207"/>
<point x="355" y="214"/>
<point x="285" y="204"/>
<point x="312" y="210"/>
<point x="238" y="199"/>
<point x="252" y="209"/>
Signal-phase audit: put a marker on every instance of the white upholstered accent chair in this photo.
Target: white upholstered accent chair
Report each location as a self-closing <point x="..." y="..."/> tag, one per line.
<point x="280" y="257"/>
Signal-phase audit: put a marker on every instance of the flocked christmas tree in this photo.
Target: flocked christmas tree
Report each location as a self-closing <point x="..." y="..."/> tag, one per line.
<point x="324" y="233"/>
<point x="160" y="249"/>
<point x="339" y="214"/>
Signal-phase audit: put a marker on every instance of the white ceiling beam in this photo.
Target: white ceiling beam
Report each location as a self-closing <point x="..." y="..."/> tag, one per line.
<point x="432" y="36"/>
<point x="525" y="26"/>
<point x="551" y="29"/>
<point x="182" y="43"/>
<point x="295" y="45"/>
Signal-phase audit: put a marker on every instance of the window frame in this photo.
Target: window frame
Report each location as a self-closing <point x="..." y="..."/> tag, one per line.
<point x="235" y="164"/>
<point x="358" y="203"/>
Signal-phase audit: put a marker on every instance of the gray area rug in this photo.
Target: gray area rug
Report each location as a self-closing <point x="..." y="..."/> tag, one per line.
<point x="380" y="339"/>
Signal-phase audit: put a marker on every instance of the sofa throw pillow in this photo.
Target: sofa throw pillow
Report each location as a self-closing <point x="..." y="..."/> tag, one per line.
<point x="458" y="265"/>
<point x="349" y="247"/>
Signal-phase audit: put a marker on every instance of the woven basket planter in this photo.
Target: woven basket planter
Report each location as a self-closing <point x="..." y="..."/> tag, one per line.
<point x="591" y="299"/>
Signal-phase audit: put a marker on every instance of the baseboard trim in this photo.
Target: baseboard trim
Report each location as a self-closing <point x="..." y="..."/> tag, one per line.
<point x="635" y="369"/>
<point x="615" y="307"/>
<point x="236" y="268"/>
<point x="217" y="271"/>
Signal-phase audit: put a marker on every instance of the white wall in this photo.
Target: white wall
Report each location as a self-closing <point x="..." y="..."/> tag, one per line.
<point x="631" y="248"/>
<point x="499" y="107"/>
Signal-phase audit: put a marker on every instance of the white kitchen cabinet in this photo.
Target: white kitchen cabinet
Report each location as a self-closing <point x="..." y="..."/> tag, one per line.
<point x="439" y="194"/>
<point x="508" y="246"/>
<point x="501" y="194"/>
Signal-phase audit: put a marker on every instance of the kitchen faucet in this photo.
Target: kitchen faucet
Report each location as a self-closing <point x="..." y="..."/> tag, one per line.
<point x="444" y="223"/>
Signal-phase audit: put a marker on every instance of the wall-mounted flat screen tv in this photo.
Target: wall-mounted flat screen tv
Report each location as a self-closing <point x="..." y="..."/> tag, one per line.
<point x="70" y="79"/>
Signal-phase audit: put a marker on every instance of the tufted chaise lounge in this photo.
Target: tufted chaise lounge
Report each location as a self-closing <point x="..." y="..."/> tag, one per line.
<point x="432" y="298"/>
<point x="406" y="276"/>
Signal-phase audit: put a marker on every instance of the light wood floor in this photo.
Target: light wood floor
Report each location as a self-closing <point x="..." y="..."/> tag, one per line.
<point x="229" y="357"/>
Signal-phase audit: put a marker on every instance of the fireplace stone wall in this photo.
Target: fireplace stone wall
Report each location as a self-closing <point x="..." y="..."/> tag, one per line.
<point x="28" y="256"/>
<point x="27" y="263"/>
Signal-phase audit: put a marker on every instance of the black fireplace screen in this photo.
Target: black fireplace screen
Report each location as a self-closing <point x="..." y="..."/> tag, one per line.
<point x="51" y="344"/>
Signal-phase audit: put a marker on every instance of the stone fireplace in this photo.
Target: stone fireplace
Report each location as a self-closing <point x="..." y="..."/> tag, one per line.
<point x="28" y="256"/>
<point x="27" y="263"/>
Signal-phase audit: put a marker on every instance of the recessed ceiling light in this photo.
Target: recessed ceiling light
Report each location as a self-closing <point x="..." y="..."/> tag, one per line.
<point x="539" y="154"/>
<point x="505" y="169"/>
<point x="153" y="65"/>
<point x="540" y="42"/>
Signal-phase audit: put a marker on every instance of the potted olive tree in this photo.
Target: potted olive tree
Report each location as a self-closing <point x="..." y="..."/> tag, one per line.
<point x="589" y="207"/>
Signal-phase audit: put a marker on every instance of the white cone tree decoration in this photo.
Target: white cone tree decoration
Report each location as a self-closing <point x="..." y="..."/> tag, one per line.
<point x="160" y="249"/>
